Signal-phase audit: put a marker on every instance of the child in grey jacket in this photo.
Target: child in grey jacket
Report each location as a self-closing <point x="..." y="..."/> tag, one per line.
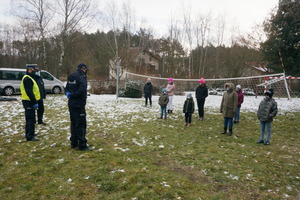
<point x="267" y="110"/>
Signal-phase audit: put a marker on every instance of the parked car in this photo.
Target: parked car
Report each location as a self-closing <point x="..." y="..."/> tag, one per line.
<point x="10" y="80"/>
<point x="212" y="92"/>
<point x="220" y="91"/>
<point x="248" y="91"/>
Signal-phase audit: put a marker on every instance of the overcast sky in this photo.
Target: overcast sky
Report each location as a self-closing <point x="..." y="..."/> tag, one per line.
<point x="157" y="13"/>
<point x="242" y="13"/>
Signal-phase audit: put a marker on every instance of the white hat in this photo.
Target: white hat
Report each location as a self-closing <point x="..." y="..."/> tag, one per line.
<point x="239" y="86"/>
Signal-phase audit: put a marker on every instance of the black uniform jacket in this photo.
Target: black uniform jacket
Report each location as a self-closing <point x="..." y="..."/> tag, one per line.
<point x="77" y="86"/>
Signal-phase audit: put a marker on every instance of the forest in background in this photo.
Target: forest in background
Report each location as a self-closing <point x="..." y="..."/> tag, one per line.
<point x="54" y="35"/>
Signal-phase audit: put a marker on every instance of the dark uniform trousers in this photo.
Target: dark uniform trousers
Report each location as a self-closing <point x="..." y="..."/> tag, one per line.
<point x="78" y="127"/>
<point x="30" y="119"/>
<point x="40" y="111"/>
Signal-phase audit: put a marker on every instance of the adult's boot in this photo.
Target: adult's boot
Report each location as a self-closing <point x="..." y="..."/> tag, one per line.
<point x="230" y="132"/>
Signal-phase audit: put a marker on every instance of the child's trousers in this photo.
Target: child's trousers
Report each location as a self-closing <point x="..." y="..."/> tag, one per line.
<point x="263" y="125"/>
<point x="188" y="118"/>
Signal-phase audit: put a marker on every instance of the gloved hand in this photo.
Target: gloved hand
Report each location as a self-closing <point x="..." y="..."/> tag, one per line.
<point x="36" y="106"/>
<point x="68" y="94"/>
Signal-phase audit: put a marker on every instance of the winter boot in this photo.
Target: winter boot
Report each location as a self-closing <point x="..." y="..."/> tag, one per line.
<point x="230" y="132"/>
<point x="225" y="131"/>
<point x="165" y="118"/>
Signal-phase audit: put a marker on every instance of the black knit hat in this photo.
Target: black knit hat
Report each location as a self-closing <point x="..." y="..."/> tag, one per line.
<point x="269" y="92"/>
<point x="82" y="66"/>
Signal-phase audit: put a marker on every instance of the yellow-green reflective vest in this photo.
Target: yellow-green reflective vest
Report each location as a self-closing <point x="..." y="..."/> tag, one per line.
<point x="35" y="88"/>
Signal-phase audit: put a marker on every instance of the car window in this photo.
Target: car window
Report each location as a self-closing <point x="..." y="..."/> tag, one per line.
<point x="46" y="76"/>
<point x="9" y="75"/>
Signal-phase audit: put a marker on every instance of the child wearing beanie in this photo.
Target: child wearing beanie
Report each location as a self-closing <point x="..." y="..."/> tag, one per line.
<point x="163" y="101"/>
<point x="188" y="109"/>
<point x="267" y="110"/>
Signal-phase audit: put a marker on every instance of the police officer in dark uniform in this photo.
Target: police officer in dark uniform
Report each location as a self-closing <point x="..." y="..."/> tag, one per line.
<point x="40" y="112"/>
<point x="30" y="95"/>
<point x="76" y="92"/>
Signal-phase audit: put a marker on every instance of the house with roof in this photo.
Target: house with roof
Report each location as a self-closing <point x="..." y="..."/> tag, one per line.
<point x="255" y="69"/>
<point x="136" y="60"/>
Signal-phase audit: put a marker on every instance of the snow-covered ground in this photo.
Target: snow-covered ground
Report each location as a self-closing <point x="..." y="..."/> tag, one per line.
<point x="109" y="105"/>
<point x="108" y="113"/>
<point x="212" y="102"/>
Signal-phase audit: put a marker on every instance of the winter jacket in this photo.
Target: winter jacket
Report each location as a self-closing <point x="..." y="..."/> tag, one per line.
<point x="163" y="99"/>
<point x="201" y="92"/>
<point x="40" y="83"/>
<point x="240" y="98"/>
<point x="189" y="106"/>
<point x="77" y="86"/>
<point x="229" y="102"/>
<point x="148" y="89"/>
<point x="29" y="87"/>
<point x="170" y="89"/>
<point x="267" y="109"/>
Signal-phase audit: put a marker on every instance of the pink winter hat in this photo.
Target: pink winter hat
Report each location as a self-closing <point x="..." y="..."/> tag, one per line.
<point x="170" y="79"/>
<point x="202" y="81"/>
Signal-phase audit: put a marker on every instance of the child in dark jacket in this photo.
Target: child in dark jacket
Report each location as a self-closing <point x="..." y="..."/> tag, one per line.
<point x="148" y="92"/>
<point x="266" y="111"/>
<point x="163" y="102"/>
<point x="188" y="109"/>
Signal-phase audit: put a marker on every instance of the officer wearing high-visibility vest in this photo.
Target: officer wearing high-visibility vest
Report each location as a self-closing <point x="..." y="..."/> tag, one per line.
<point x="30" y="95"/>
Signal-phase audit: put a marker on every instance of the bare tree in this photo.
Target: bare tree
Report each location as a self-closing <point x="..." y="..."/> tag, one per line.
<point x="112" y="19"/>
<point x="257" y="37"/>
<point x="74" y="15"/>
<point x="202" y="31"/>
<point x="128" y="21"/>
<point x="38" y="13"/>
<point x="220" y="30"/>
<point x="121" y="25"/>
<point x="127" y="16"/>
<point x="172" y="52"/>
<point x="8" y="35"/>
<point x="188" y="26"/>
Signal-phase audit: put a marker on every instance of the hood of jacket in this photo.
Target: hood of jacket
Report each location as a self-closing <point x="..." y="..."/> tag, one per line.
<point x="230" y="85"/>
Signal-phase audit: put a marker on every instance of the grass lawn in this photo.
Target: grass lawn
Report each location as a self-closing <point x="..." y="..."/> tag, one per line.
<point x="137" y="156"/>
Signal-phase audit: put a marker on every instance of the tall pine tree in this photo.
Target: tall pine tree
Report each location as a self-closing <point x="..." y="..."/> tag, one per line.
<point x="283" y="38"/>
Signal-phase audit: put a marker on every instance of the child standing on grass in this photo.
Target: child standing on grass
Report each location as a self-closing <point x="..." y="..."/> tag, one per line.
<point x="239" y="91"/>
<point x="163" y="102"/>
<point x="267" y="110"/>
<point x="148" y="92"/>
<point x="188" y="109"/>
<point x="170" y="90"/>
<point x="228" y="107"/>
